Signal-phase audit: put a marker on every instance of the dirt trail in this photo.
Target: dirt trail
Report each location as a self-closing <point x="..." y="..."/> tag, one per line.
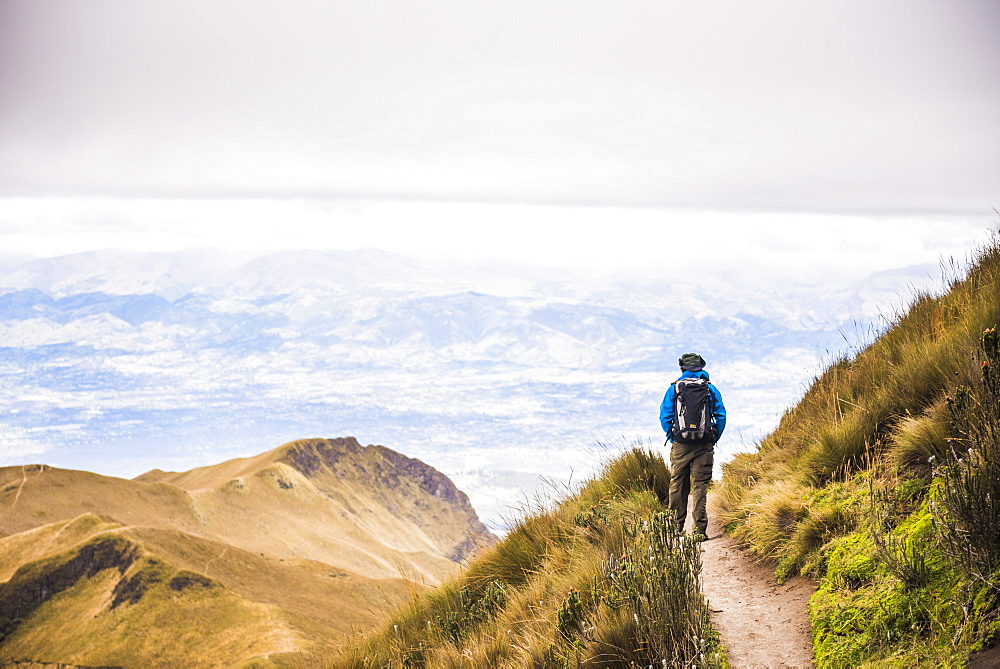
<point x="762" y="624"/>
<point x="24" y="479"/>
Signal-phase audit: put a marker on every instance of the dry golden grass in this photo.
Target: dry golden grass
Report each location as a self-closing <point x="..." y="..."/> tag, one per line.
<point x="288" y="553"/>
<point x="596" y="579"/>
<point x="888" y="400"/>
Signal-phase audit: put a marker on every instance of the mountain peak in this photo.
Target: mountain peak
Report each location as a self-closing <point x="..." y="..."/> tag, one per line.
<point x="404" y="482"/>
<point x="345" y="458"/>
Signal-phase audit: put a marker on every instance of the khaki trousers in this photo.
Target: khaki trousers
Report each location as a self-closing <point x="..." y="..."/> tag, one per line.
<point x="690" y="473"/>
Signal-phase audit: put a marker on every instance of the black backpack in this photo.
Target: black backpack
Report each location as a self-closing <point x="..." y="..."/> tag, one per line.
<point x="693" y="406"/>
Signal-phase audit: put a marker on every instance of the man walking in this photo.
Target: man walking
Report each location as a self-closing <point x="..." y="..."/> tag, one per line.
<point x="693" y="416"/>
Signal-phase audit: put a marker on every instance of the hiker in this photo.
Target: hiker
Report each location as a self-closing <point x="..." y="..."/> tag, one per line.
<point x="692" y="454"/>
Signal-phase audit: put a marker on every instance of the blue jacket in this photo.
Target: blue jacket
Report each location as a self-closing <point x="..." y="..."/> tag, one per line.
<point x="667" y="407"/>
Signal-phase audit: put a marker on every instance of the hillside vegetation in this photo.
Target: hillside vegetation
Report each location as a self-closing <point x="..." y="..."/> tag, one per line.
<point x="601" y="579"/>
<point x="884" y="483"/>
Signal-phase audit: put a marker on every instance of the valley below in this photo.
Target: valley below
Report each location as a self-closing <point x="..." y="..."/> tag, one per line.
<point x="511" y="379"/>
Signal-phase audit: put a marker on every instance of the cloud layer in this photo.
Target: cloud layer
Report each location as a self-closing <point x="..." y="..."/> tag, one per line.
<point x="856" y="106"/>
<point x="750" y="249"/>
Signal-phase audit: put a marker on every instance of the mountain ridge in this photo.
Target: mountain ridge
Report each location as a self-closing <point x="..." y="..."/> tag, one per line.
<point x="285" y="552"/>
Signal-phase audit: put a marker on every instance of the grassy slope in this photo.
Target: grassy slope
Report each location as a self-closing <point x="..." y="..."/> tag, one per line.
<point x="600" y="579"/>
<point x="859" y="486"/>
<point x="105" y="600"/>
<point x="297" y="548"/>
<point x="94" y="592"/>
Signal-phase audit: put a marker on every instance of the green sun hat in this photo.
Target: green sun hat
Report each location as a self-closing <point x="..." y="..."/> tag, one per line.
<point x="692" y="362"/>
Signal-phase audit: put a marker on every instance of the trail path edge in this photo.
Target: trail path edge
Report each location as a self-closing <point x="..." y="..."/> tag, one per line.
<point x="762" y="624"/>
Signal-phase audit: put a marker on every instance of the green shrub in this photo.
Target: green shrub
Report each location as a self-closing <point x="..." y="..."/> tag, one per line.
<point x="965" y="497"/>
<point x="656" y="580"/>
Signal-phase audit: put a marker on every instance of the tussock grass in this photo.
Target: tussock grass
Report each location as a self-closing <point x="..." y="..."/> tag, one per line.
<point x="917" y="441"/>
<point x="884" y="483"/>
<point x="772" y="517"/>
<point x="600" y="578"/>
<point x="641" y="471"/>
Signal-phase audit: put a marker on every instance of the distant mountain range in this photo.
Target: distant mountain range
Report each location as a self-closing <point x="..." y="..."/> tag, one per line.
<point x="282" y="554"/>
<point x="494" y="373"/>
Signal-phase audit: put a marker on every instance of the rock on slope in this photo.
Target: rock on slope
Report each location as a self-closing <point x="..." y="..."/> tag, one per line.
<point x="285" y="552"/>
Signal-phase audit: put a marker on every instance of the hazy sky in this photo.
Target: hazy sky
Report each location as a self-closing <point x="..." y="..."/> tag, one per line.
<point x="517" y="128"/>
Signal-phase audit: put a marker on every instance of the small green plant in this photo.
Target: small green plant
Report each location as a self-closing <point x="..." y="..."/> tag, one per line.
<point x="901" y="555"/>
<point x="475" y="606"/>
<point x="592" y="518"/>
<point x="450" y="624"/>
<point x="554" y="658"/>
<point x="571" y="615"/>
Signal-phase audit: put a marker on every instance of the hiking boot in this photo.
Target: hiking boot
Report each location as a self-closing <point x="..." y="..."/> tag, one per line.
<point x="699" y="536"/>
